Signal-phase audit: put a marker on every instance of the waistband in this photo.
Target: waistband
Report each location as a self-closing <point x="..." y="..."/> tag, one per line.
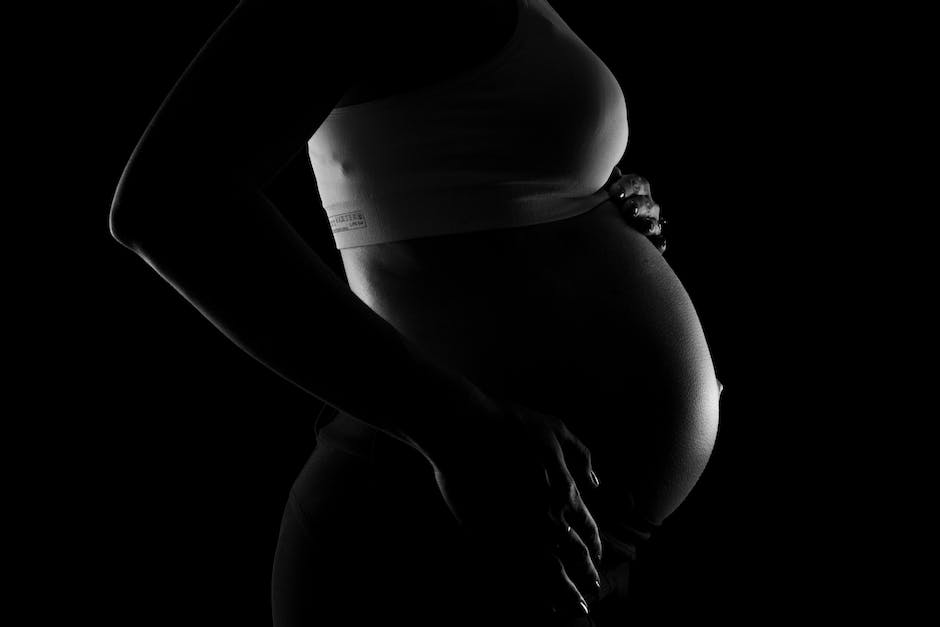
<point x="373" y="446"/>
<point x="341" y="430"/>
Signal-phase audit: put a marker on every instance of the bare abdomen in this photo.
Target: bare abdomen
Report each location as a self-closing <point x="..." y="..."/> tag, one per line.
<point x="581" y="318"/>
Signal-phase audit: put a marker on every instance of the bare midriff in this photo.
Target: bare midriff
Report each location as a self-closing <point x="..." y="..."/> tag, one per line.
<point x="582" y="318"/>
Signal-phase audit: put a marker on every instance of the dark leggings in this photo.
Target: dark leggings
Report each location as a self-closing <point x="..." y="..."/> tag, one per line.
<point x="366" y="539"/>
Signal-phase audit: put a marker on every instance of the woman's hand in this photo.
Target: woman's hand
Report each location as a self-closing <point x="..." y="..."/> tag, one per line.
<point x="514" y="487"/>
<point x="632" y="194"/>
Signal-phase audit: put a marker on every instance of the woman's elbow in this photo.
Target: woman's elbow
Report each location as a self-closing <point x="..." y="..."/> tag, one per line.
<point x="149" y="203"/>
<point x="121" y="218"/>
<point x="133" y="206"/>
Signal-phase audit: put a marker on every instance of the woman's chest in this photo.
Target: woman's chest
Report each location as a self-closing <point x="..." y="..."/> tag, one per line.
<point x="445" y="43"/>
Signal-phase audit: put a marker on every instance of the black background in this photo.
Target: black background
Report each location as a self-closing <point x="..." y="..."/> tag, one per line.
<point x="169" y="451"/>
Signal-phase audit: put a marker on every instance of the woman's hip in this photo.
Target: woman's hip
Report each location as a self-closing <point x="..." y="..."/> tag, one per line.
<point x="365" y="538"/>
<point x="367" y="508"/>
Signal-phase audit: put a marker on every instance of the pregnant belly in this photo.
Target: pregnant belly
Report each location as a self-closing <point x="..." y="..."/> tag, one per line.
<point x="581" y="318"/>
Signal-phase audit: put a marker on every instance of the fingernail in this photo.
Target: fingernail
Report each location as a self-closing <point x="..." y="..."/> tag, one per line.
<point x="584" y="606"/>
<point x="594" y="479"/>
<point x="597" y="584"/>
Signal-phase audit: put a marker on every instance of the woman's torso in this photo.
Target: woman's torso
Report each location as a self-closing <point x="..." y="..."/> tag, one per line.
<point x="580" y="317"/>
<point x="481" y="30"/>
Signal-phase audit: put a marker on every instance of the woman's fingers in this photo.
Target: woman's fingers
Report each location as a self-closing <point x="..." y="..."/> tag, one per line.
<point x="632" y="194"/>
<point x="564" y="596"/>
<point x="572" y="510"/>
<point x="565" y="526"/>
<point x="573" y="452"/>
<point x="583" y="521"/>
<point x="578" y="558"/>
<point x="629" y="185"/>
<point x="644" y="215"/>
<point x="641" y="208"/>
<point x="562" y="570"/>
<point x="578" y="456"/>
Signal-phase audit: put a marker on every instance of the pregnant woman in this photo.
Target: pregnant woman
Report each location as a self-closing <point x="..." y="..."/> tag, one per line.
<point x="518" y="389"/>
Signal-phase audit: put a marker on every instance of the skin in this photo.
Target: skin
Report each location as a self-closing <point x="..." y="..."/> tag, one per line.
<point x="560" y="280"/>
<point x="574" y="335"/>
<point x="477" y="35"/>
<point x="652" y="410"/>
<point x="582" y="318"/>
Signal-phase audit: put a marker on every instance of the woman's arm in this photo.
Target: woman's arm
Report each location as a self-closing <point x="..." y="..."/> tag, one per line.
<point x="190" y="204"/>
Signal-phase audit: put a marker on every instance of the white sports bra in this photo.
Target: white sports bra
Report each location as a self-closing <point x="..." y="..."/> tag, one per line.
<point x="529" y="136"/>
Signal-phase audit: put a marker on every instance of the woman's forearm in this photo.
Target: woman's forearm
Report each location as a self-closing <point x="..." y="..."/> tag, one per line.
<point x="232" y="255"/>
